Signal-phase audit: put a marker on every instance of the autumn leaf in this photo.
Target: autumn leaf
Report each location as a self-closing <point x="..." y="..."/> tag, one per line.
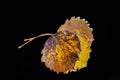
<point x="69" y="48"/>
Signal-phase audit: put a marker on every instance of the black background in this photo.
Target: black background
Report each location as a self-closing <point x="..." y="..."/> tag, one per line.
<point x="102" y="65"/>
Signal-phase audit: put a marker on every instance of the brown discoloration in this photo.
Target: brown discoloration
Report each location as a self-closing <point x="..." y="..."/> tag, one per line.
<point x="77" y="25"/>
<point x="61" y="51"/>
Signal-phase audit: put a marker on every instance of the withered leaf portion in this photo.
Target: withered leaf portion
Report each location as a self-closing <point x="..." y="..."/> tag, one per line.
<point x="61" y="51"/>
<point x="77" y="25"/>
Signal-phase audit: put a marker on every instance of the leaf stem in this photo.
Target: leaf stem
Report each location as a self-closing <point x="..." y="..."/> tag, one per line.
<point x="30" y="39"/>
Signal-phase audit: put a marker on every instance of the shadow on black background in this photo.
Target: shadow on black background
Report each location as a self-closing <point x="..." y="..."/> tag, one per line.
<point x="101" y="65"/>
